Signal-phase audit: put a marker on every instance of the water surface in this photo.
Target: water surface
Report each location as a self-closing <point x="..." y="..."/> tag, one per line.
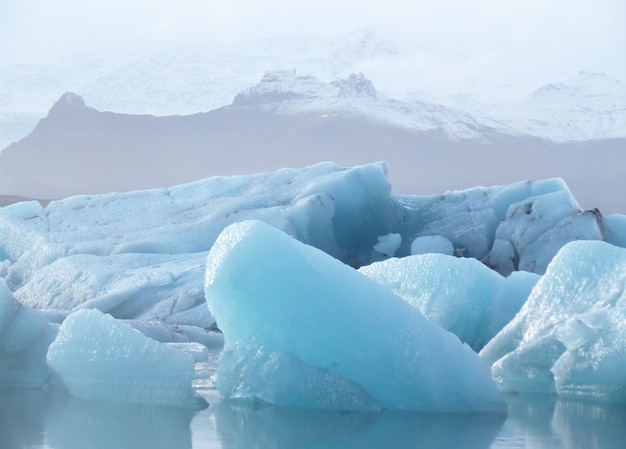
<point x="32" y="419"/>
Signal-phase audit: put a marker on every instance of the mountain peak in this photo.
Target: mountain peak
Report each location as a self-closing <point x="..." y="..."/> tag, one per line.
<point x="356" y="85"/>
<point x="70" y="100"/>
<point x="284" y="87"/>
<point x="68" y="103"/>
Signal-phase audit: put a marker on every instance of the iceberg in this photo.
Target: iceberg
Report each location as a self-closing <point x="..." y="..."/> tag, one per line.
<point x="461" y="295"/>
<point x="140" y="257"/>
<point x="99" y="357"/>
<point x="25" y="334"/>
<point x="303" y="329"/>
<point x="569" y="336"/>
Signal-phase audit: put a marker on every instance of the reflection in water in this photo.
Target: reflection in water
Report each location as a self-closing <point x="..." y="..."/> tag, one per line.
<point x="545" y="422"/>
<point x="583" y="425"/>
<point x="22" y="418"/>
<point x="79" y="424"/>
<point x="34" y="419"/>
<point x="31" y="419"/>
<point x="282" y="428"/>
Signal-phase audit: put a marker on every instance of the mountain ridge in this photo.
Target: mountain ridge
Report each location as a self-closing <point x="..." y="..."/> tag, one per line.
<point x="77" y="149"/>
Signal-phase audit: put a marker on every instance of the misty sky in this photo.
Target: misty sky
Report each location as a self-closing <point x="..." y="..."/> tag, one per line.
<point x="447" y="42"/>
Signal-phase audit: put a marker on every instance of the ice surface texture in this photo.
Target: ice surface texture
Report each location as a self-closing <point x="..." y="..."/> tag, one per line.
<point x="569" y="336"/>
<point x="461" y="295"/>
<point x="25" y="334"/>
<point x="99" y="357"/>
<point x="140" y="256"/>
<point x="303" y="329"/>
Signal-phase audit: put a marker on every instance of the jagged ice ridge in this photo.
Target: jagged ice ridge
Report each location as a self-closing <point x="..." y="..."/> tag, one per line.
<point x="164" y="263"/>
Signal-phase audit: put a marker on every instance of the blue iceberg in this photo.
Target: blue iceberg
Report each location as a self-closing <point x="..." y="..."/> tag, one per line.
<point x="461" y="295"/>
<point x="140" y="258"/>
<point x="569" y="336"/>
<point x="303" y="329"/>
<point x="99" y="357"/>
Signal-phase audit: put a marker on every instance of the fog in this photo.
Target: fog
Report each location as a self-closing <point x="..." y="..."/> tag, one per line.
<point x="485" y="46"/>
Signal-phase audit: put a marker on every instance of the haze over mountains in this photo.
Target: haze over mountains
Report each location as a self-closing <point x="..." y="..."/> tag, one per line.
<point x="575" y="130"/>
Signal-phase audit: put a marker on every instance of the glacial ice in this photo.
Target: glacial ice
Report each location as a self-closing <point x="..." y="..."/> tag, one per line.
<point x="99" y="357"/>
<point x="426" y="244"/>
<point x="303" y="329"/>
<point x="569" y="336"/>
<point x="141" y="258"/>
<point x="461" y="295"/>
<point x="25" y="334"/>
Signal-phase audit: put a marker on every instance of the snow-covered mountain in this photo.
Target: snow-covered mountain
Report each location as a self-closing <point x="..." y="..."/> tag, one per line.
<point x="585" y="107"/>
<point x="287" y="120"/>
<point x="183" y="81"/>
<point x="169" y="81"/>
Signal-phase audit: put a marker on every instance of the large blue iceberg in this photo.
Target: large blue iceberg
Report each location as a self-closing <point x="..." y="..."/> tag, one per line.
<point x="303" y="329"/>
<point x="569" y="337"/>
<point x="140" y="258"/>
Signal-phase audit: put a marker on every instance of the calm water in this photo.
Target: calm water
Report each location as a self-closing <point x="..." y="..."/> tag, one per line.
<point x="32" y="419"/>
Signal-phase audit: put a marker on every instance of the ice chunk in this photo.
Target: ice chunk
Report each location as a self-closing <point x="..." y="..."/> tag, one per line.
<point x="535" y="229"/>
<point x="461" y="295"/>
<point x="615" y="226"/>
<point x="570" y="335"/>
<point x="469" y="218"/>
<point x="388" y="244"/>
<point x="25" y="335"/>
<point x="308" y="317"/>
<point x="432" y="244"/>
<point x="129" y="286"/>
<point x="99" y="357"/>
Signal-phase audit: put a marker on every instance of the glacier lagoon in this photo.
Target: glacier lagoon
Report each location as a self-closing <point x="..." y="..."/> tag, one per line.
<point x="32" y="419"/>
<point x="139" y="259"/>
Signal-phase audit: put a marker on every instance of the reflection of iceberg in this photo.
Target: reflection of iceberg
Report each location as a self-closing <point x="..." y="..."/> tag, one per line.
<point x="342" y="332"/>
<point x="585" y="425"/>
<point x="285" y="428"/>
<point x="78" y="423"/>
<point x="30" y="418"/>
<point x="547" y="422"/>
<point x="22" y="418"/>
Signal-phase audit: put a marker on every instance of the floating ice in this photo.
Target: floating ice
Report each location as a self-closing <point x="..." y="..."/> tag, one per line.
<point x="303" y="329"/>
<point x="426" y="244"/>
<point x="140" y="256"/>
<point x="24" y="338"/>
<point x="469" y="218"/>
<point x="570" y="335"/>
<point x="534" y="230"/>
<point x="388" y="244"/>
<point x="461" y="295"/>
<point x="99" y="357"/>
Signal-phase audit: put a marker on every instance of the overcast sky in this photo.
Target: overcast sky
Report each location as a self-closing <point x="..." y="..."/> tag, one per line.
<point x="444" y="41"/>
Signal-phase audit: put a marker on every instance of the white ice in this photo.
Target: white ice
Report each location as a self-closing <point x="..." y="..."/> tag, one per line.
<point x="99" y="357"/>
<point x="388" y="244"/>
<point x="570" y="335"/>
<point x="426" y="244"/>
<point x="25" y="334"/>
<point x="461" y="295"/>
<point x="140" y="256"/>
<point x="303" y="329"/>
